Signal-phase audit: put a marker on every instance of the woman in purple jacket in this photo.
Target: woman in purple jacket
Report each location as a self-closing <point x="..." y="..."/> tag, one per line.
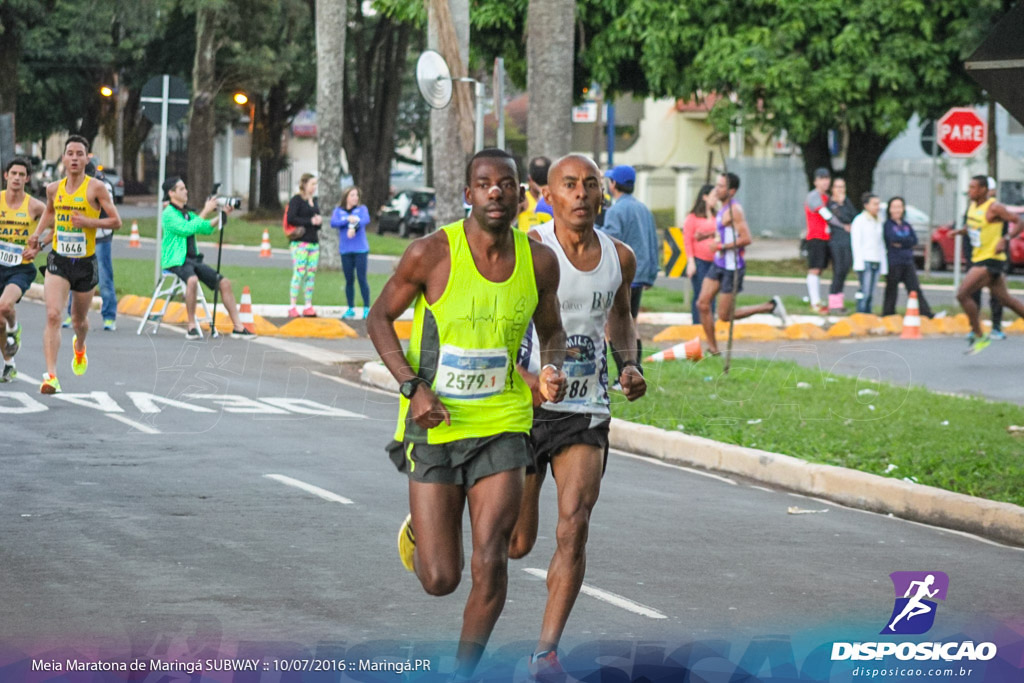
<point x="351" y="219"/>
<point x="900" y="239"/>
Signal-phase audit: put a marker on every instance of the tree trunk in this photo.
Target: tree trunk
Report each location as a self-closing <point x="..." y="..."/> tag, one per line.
<point x="371" y="107"/>
<point x="817" y="155"/>
<point x="330" y="83"/>
<point x="10" y="53"/>
<point x="866" y="147"/>
<point x="272" y="153"/>
<point x="550" y="31"/>
<point x="202" y="124"/>
<point x="136" y="129"/>
<point x="448" y="33"/>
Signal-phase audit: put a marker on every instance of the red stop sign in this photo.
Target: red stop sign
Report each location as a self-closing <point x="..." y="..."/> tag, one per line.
<point x="962" y="132"/>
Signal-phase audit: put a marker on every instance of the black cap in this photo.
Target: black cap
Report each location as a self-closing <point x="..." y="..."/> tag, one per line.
<point x="169" y="185"/>
<point x="822" y="172"/>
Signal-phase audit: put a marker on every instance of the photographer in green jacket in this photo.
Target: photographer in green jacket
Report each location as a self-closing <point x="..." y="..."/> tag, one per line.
<point x="180" y="256"/>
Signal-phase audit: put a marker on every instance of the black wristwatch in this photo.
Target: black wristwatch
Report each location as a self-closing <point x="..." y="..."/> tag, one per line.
<point x="408" y="387"/>
<point x="636" y="365"/>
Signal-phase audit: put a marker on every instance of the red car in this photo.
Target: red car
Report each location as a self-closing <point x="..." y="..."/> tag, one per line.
<point x="943" y="242"/>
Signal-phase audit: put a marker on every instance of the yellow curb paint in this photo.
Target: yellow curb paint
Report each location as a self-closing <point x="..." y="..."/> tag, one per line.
<point x="804" y="332"/>
<point x="755" y="332"/>
<point x="176" y="314"/>
<point x="846" y="328"/>
<point x="1016" y="328"/>
<point x="264" y="328"/>
<point x="126" y="303"/>
<point x="930" y="327"/>
<point x="320" y="328"/>
<point x="403" y="328"/>
<point x="953" y="325"/>
<point x="893" y="323"/>
<point x="871" y="323"/>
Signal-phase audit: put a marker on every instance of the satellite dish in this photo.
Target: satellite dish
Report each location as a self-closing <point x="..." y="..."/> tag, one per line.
<point x="434" y="79"/>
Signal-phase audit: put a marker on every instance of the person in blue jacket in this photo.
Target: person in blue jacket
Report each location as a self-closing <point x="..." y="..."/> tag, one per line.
<point x="350" y="219"/>
<point x="631" y="222"/>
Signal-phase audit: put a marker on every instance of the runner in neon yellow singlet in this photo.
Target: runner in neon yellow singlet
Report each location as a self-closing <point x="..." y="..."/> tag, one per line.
<point x="73" y="206"/>
<point x="985" y="217"/>
<point x="465" y="412"/>
<point x="18" y="213"/>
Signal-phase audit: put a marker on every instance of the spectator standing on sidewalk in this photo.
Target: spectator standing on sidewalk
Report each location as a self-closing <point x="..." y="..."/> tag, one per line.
<point x="843" y="212"/>
<point x="817" y="214"/>
<point x="304" y="212"/>
<point x="629" y="221"/>
<point x="869" y="259"/>
<point x="900" y="240"/>
<point x="699" y="240"/>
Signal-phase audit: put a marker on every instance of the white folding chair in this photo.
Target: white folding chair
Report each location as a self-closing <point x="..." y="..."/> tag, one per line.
<point x="171" y="285"/>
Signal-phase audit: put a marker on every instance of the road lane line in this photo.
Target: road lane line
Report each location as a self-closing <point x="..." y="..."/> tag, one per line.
<point x="610" y="598"/>
<point x="309" y="488"/>
<point x="145" y="429"/>
<point x="354" y="385"/>
<point x="674" y="466"/>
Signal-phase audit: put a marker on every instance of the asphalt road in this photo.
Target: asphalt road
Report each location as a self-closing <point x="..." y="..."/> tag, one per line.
<point x="138" y="510"/>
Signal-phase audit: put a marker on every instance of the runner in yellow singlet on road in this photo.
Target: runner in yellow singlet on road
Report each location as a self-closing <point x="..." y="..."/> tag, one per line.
<point x="985" y="217"/>
<point x="18" y="213"/>
<point x="465" y="413"/>
<point x="73" y="207"/>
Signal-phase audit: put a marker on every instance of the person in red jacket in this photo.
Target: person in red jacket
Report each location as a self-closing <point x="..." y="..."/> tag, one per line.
<point x="816" y="210"/>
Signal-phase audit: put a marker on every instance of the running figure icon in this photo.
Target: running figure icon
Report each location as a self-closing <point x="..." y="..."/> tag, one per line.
<point x="915" y="606"/>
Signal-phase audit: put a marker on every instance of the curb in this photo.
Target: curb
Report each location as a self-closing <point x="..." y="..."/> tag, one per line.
<point x="1003" y="522"/>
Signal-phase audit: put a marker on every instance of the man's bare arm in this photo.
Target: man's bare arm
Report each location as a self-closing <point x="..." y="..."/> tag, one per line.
<point x="547" y="318"/>
<point x="622" y="330"/>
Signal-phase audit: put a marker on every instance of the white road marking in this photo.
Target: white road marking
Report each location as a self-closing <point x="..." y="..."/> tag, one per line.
<point x="309" y="488"/>
<point x="313" y="353"/>
<point x="354" y="385"/>
<point x="28" y="404"/>
<point x="662" y="463"/>
<point x="147" y="403"/>
<point x="305" y="406"/>
<point x="610" y="598"/>
<point x="145" y="429"/>
<point x="97" y="400"/>
<point x="25" y="378"/>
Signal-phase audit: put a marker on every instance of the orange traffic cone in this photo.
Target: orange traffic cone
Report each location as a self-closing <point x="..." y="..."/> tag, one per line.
<point x="133" y="241"/>
<point x="245" y="311"/>
<point x="912" y="320"/>
<point x="265" y="244"/>
<point x="689" y="350"/>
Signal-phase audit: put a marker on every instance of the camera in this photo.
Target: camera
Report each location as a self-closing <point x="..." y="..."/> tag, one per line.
<point x="224" y="202"/>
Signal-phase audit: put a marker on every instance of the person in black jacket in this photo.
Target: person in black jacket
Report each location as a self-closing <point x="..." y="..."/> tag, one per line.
<point x="843" y="212"/>
<point x="304" y="213"/>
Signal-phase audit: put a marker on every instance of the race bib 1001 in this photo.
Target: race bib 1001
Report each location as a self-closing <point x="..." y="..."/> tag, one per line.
<point x="10" y="254"/>
<point x="471" y="373"/>
<point x="70" y="243"/>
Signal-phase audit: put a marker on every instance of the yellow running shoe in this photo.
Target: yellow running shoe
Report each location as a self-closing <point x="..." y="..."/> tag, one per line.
<point x="50" y="384"/>
<point x="80" y="361"/>
<point x="406" y="543"/>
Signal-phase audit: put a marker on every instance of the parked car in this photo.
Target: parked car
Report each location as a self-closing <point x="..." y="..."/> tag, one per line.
<point x="944" y="243"/>
<point x="411" y="211"/>
<point x="44" y="173"/>
<point x="112" y="178"/>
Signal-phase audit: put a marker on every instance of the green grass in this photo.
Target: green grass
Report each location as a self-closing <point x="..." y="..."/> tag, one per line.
<point x="242" y="231"/>
<point x="268" y="285"/>
<point x="759" y="405"/>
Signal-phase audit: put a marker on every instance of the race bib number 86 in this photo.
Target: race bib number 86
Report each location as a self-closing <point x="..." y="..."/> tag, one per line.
<point x="471" y="373"/>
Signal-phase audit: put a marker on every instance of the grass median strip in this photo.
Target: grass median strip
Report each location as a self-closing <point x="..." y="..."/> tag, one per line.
<point x="958" y="444"/>
<point x="250" y="233"/>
